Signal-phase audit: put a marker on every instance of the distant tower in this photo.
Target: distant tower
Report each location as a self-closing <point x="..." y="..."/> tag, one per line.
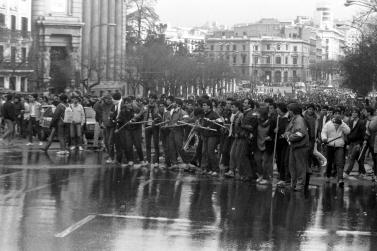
<point x="323" y="15"/>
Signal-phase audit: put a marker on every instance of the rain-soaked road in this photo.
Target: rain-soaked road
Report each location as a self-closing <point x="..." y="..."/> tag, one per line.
<point x="78" y="203"/>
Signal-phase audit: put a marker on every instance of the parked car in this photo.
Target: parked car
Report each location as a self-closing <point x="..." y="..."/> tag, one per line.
<point x="47" y="111"/>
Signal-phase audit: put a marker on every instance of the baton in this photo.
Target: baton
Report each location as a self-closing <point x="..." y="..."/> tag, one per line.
<point x="201" y="127"/>
<point x="215" y="123"/>
<point x="361" y="153"/>
<point x="328" y="142"/>
<point x="130" y="123"/>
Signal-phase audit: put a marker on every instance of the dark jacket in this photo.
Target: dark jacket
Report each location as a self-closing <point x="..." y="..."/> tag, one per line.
<point x="356" y="135"/>
<point x="9" y="111"/>
<point x="58" y="116"/>
<point x="298" y="132"/>
<point x="213" y="116"/>
<point x="311" y="120"/>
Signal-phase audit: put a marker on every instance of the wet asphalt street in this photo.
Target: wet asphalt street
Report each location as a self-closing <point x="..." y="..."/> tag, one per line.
<point x="79" y="203"/>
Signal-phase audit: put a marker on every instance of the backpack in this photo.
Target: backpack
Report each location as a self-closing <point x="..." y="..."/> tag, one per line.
<point x="68" y="115"/>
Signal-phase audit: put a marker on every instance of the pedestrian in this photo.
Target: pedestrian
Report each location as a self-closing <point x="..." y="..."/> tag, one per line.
<point x="9" y="115"/>
<point x="61" y="119"/>
<point x="33" y="113"/>
<point x="78" y="120"/>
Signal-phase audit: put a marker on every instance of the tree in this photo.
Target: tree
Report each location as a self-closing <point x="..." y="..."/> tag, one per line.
<point x="322" y="70"/>
<point x="141" y="18"/>
<point x="93" y="70"/>
<point x="360" y="64"/>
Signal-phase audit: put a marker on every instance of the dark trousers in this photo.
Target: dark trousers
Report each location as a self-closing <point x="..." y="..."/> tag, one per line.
<point x="109" y="140"/>
<point x="282" y="161"/>
<point x="298" y="166"/>
<point x="152" y="132"/>
<point x="119" y="138"/>
<point x="63" y="135"/>
<point x="225" y="150"/>
<point x="133" y="139"/>
<point x="335" y="156"/>
<point x="210" y="160"/>
<point x="264" y="161"/>
<point x="374" y="157"/>
<point x="175" y="142"/>
<point x="240" y="157"/>
<point x="354" y="153"/>
<point x="164" y="134"/>
<point x="33" y="129"/>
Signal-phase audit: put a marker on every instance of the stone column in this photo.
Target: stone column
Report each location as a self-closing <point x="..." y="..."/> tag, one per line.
<point x="76" y="63"/>
<point x="118" y="38"/>
<point x="18" y="83"/>
<point x="46" y="64"/>
<point x="94" y="30"/>
<point x="104" y="36"/>
<point x="86" y="44"/>
<point x="111" y="41"/>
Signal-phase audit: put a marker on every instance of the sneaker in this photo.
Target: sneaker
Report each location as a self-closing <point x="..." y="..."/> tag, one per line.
<point x="109" y="161"/>
<point x="60" y="153"/>
<point x="281" y="183"/>
<point x="130" y="163"/>
<point x="29" y="144"/>
<point x="66" y="152"/>
<point x="363" y="176"/>
<point x="229" y="174"/>
<point x="260" y="178"/>
<point x="214" y="174"/>
<point x="40" y="143"/>
<point x="72" y="148"/>
<point x="81" y="149"/>
<point x="263" y="182"/>
<point x="348" y="177"/>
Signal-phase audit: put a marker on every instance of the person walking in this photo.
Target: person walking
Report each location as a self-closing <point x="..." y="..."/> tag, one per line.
<point x="33" y="115"/>
<point x="78" y="120"/>
<point x="59" y="121"/>
<point x="9" y="115"/>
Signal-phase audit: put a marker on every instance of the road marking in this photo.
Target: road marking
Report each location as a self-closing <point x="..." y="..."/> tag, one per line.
<point x="9" y="174"/>
<point x="321" y="232"/>
<point x="136" y="217"/>
<point x="75" y="226"/>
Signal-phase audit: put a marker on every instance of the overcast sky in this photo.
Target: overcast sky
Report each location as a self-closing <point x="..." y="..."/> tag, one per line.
<point x="230" y="12"/>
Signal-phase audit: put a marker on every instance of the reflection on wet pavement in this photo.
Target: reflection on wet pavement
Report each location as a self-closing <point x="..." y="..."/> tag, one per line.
<point x="77" y="203"/>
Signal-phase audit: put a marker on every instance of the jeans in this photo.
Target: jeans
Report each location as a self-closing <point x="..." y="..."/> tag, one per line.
<point x="355" y="152"/>
<point x="298" y="166"/>
<point x="76" y="134"/>
<point x="210" y="161"/>
<point x="175" y="143"/>
<point x="282" y="161"/>
<point x="335" y="156"/>
<point x="33" y="129"/>
<point x="152" y="132"/>
<point x="63" y="132"/>
<point x="109" y="141"/>
<point x="8" y="134"/>
<point x="264" y="161"/>
<point x="133" y="138"/>
<point x="240" y="157"/>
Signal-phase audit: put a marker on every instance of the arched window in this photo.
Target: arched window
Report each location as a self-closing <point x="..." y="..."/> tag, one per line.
<point x="278" y="60"/>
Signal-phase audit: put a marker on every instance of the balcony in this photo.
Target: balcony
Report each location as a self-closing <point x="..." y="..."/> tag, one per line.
<point x="7" y="35"/>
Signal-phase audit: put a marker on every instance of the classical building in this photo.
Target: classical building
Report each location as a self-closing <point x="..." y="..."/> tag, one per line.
<point x="265" y="59"/>
<point x="15" y="42"/>
<point x="56" y="31"/>
<point x="79" y="41"/>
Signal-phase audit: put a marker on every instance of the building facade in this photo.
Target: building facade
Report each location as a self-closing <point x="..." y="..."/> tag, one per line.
<point x="269" y="60"/>
<point x="15" y="43"/>
<point x="79" y="42"/>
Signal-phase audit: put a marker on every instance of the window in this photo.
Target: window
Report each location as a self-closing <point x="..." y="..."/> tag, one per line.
<point x="286" y="47"/>
<point x="234" y="47"/>
<point x="256" y="59"/>
<point x="23" y="56"/>
<point x="268" y="47"/>
<point x="268" y="60"/>
<point x="221" y="47"/>
<point x="244" y="47"/>
<point x="228" y="47"/>
<point x="1" y="53"/>
<point x="12" y="83"/>
<point x="286" y="60"/>
<point x="295" y="48"/>
<point x="295" y="60"/>
<point x="244" y="33"/>
<point x="13" y="52"/>
<point x="13" y="22"/>
<point x="2" y="81"/>
<point x="2" y="19"/>
<point x="256" y="48"/>
<point x="23" y="84"/>
<point x="24" y="26"/>
<point x="234" y="59"/>
<point x="278" y="60"/>
<point x="227" y="57"/>
<point x="212" y="47"/>
<point x="244" y="59"/>
<point x="278" y="47"/>
<point x="294" y="74"/>
<point x="285" y="76"/>
<point x="243" y="71"/>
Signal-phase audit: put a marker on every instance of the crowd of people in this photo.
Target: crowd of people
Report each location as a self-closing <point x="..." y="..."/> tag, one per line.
<point x="235" y="136"/>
